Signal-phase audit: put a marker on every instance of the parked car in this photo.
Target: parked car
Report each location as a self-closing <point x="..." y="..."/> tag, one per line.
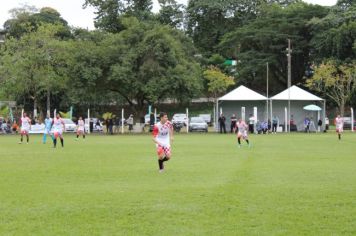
<point x="206" y="118"/>
<point x="198" y="124"/>
<point x="70" y="126"/>
<point x="180" y="118"/>
<point x="347" y="123"/>
<point x="96" y="127"/>
<point x="147" y="119"/>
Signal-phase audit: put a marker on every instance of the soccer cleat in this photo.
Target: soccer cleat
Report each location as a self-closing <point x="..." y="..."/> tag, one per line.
<point x="239" y="146"/>
<point x="161" y="171"/>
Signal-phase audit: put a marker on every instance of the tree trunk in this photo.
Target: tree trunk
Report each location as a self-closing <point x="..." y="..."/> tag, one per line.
<point x="342" y="108"/>
<point x="34" y="108"/>
<point x="48" y="101"/>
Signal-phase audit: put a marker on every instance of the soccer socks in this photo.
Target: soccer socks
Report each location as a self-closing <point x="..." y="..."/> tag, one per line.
<point x="339" y="136"/>
<point x="160" y="164"/>
<point x="54" y="142"/>
<point x="27" y="138"/>
<point x="165" y="159"/>
<point x="239" y="141"/>
<point x="247" y="142"/>
<point x="62" y="142"/>
<point x="44" y="138"/>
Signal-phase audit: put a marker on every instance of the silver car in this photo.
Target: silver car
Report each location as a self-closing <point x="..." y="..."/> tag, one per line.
<point x="198" y="124"/>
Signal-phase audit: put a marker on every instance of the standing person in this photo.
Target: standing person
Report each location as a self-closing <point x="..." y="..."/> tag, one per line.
<point x="222" y="120"/>
<point x="307" y="124"/>
<point x="251" y="122"/>
<point x="47" y="130"/>
<point x="233" y="123"/>
<point x="274" y="124"/>
<point x="111" y="125"/>
<point x="242" y="127"/>
<point x="25" y="127"/>
<point x="58" y="128"/>
<point x="339" y="124"/>
<point x="80" y="128"/>
<point x="163" y="137"/>
<point x="130" y="122"/>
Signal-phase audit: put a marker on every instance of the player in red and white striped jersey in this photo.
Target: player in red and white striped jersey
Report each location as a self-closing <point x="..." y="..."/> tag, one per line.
<point x="163" y="137"/>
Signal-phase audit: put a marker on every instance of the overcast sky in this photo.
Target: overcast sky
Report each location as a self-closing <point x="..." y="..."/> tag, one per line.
<point x="73" y="12"/>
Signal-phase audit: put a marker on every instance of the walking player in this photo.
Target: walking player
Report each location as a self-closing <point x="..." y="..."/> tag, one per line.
<point x="81" y="128"/>
<point x="25" y="127"/>
<point x="163" y="136"/>
<point x="339" y="124"/>
<point x="58" y="128"/>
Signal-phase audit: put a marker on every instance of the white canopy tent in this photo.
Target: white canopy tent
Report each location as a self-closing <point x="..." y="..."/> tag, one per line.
<point x="234" y="101"/>
<point x="299" y="98"/>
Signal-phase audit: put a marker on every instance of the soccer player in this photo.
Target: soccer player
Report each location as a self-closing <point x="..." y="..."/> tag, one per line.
<point x="81" y="128"/>
<point x="339" y="124"/>
<point x="242" y="127"/>
<point x="47" y="130"/>
<point x="25" y="127"/>
<point x="163" y="136"/>
<point x="58" y="128"/>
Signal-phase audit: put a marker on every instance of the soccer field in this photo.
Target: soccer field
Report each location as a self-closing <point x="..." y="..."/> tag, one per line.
<point x="298" y="184"/>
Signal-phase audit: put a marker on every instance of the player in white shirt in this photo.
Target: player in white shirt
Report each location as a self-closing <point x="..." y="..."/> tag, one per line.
<point x="339" y="124"/>
<point x="25" y="127"/>
<point x="242" y="127"/>
<point x="81" y="128"/>
<point x="163" y="136"/>
<point x="58" y="128"/>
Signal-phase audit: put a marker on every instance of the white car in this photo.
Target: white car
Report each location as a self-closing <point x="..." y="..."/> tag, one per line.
<point x="198" y="124"/>
<point x="70" y="126"/>
<point x="180" y="118"/>
<point x="147" y="119"/>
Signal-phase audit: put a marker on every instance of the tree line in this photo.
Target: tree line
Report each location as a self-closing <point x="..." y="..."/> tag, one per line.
<point x="138" y="57"/>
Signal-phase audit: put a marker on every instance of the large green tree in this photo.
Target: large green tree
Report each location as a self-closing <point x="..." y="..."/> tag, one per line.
<point x="334" y="35"/>
<point x="265" y="40"/>
<point x="28" y="19"/>
<point x="143" y="64"/>
<point x="336" y="81"/>
<point x="35" y="65"/>
<point x="110" y="12"/>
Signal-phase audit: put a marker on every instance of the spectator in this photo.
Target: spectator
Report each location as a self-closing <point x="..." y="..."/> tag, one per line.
<point x="222" y="120"/>
<point x="306" y="124"/>
<point x="233" y="123"/>
<point x="320" y="123"/>
<point x="326" y="124"/>
<point x="251" y="122"/>
<point x="111" y="125"/>
<point x="275" y="122"/>
<point x="130" y="122"/>
<point x="15" y="127"/>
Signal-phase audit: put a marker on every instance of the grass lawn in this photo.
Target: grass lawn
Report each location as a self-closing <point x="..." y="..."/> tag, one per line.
<point x="298" y="184"/>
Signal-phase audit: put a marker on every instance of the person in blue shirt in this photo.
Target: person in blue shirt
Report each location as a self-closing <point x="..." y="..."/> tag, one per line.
<point x="48" y="126"/>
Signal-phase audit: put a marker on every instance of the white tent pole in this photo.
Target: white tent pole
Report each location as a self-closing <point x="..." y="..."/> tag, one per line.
<point x="22" y="111"/>
<point x="217" y="116"/>
<point x="271" y="112"/>
<point x="187" y="112"/>
<point x="54" y="113"/>
<point x="88" y="121"/>
<point x="324" y="126"/>
<point x="255" y="118"/>
<point x="243" y="113"/>
<point x="352" y="119"/>
<point x="267" y="93"/>
<point x="122" y="120"/>
<point x="285" y="119"/>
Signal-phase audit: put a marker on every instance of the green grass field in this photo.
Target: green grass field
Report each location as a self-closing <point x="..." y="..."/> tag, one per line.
<point x="299" y="184"/>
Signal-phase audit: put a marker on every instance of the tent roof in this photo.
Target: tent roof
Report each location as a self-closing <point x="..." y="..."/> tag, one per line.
<point x="242" y="93"/>
<point x="296" y="94"/>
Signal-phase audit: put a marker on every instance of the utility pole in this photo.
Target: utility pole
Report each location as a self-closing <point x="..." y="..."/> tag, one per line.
<point x="289" y="57"/>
